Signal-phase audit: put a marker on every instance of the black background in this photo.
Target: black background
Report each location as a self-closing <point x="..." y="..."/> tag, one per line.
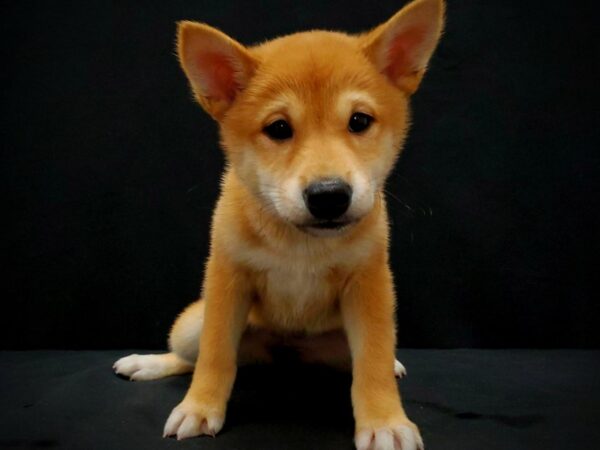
<point x="110" y="171"/>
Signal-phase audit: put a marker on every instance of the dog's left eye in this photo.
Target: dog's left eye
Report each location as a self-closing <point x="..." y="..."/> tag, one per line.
<point x="359" y="122"/>
<point x="280" y="130"/>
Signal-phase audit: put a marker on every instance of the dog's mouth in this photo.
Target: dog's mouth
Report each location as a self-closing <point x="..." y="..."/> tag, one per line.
<point x="326" y="227"/>
<point x="330" y="225"/>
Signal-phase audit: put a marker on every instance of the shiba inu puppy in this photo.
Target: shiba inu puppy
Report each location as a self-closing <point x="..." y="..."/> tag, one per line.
<point x="311" y="125"/>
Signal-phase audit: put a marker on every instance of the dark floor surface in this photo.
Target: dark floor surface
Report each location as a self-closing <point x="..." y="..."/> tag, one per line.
<point x="461" y="399"/>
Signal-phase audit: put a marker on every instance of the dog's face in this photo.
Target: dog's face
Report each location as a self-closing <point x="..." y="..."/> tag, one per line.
<point x="312" y="122"/>
<point x="316" y="131"/>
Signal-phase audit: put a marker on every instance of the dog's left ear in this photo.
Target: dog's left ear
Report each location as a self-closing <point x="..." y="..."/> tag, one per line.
<point x="401" y="47"/>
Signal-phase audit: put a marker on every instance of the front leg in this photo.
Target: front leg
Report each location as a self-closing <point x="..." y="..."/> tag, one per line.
<point x="202" y="411"/>
<point x="367" y="306"/>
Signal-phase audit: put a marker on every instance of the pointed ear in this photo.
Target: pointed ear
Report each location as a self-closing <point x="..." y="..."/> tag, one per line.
<point x="401" y="47"/>
<point x="217" y="67"/>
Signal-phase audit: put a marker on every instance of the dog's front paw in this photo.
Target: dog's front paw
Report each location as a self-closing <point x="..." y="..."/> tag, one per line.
<point x="402" y="435"/>
<point x="192" y="418"/>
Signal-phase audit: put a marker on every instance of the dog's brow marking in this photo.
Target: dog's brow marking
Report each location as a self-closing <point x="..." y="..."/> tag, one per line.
<point x="286" y="103"/>
<point x="275" y="106"/>
<point x="350" y="99"/>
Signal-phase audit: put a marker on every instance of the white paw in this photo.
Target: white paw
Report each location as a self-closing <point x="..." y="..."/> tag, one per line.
<point x="190" y="418"/>
<point x="399" y="437"/>
<point x="142" y="367"/>
<point x="399" y="369"/>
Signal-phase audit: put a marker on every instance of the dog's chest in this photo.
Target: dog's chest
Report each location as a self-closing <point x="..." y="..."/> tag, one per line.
<point x="297" y="299"/>
<point x="296" y="289"/>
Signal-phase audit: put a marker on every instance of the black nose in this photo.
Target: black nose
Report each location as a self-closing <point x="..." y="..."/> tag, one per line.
<point x="328" y="199"/>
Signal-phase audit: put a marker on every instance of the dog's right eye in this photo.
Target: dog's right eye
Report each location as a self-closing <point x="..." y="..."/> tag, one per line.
<point x="279" y="130"/>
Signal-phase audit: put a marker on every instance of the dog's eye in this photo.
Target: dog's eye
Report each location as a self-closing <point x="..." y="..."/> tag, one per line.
<point x="279" y="130"/>
<point x="359" y="122"/>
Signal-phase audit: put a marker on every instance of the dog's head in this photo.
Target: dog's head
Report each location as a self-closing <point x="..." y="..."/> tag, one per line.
<point x="312" y="122"/>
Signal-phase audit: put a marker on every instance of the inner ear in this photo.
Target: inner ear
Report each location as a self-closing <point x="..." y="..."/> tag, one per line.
<point x="400" y="59"/>
<point x="219" y="80"/>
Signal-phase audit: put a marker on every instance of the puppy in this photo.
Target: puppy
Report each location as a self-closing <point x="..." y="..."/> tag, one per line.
<point x="311" y="125"/>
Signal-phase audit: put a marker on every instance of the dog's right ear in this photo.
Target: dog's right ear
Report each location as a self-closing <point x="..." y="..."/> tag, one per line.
<point x="217" y="66"/>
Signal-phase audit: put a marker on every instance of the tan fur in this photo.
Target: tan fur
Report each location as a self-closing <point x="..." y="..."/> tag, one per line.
<point x="266" y="274"/>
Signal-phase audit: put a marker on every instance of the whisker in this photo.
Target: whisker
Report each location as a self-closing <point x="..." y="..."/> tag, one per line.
<point x="411" y="211"/>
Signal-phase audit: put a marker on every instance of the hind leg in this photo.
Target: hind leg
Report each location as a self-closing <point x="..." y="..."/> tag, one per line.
<point x="331" y="348"/>
<point x="184" y="340"/>
<point x="183" y="343"/>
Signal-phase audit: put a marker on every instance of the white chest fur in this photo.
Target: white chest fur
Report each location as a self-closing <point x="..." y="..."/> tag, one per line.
<point x="297" y="299"/>
<point x="296" y="288"/>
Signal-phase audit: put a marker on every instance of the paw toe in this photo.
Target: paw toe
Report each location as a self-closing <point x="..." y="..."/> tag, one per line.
<point x="126" y="366"/>
<point x="399" y="369"/>
<point x="408" y="438"/>
<point x="190" y="427"/>
<point x="363" y="439"/>
<point x="173" y="422"/>
<point x="384" y="439"/>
